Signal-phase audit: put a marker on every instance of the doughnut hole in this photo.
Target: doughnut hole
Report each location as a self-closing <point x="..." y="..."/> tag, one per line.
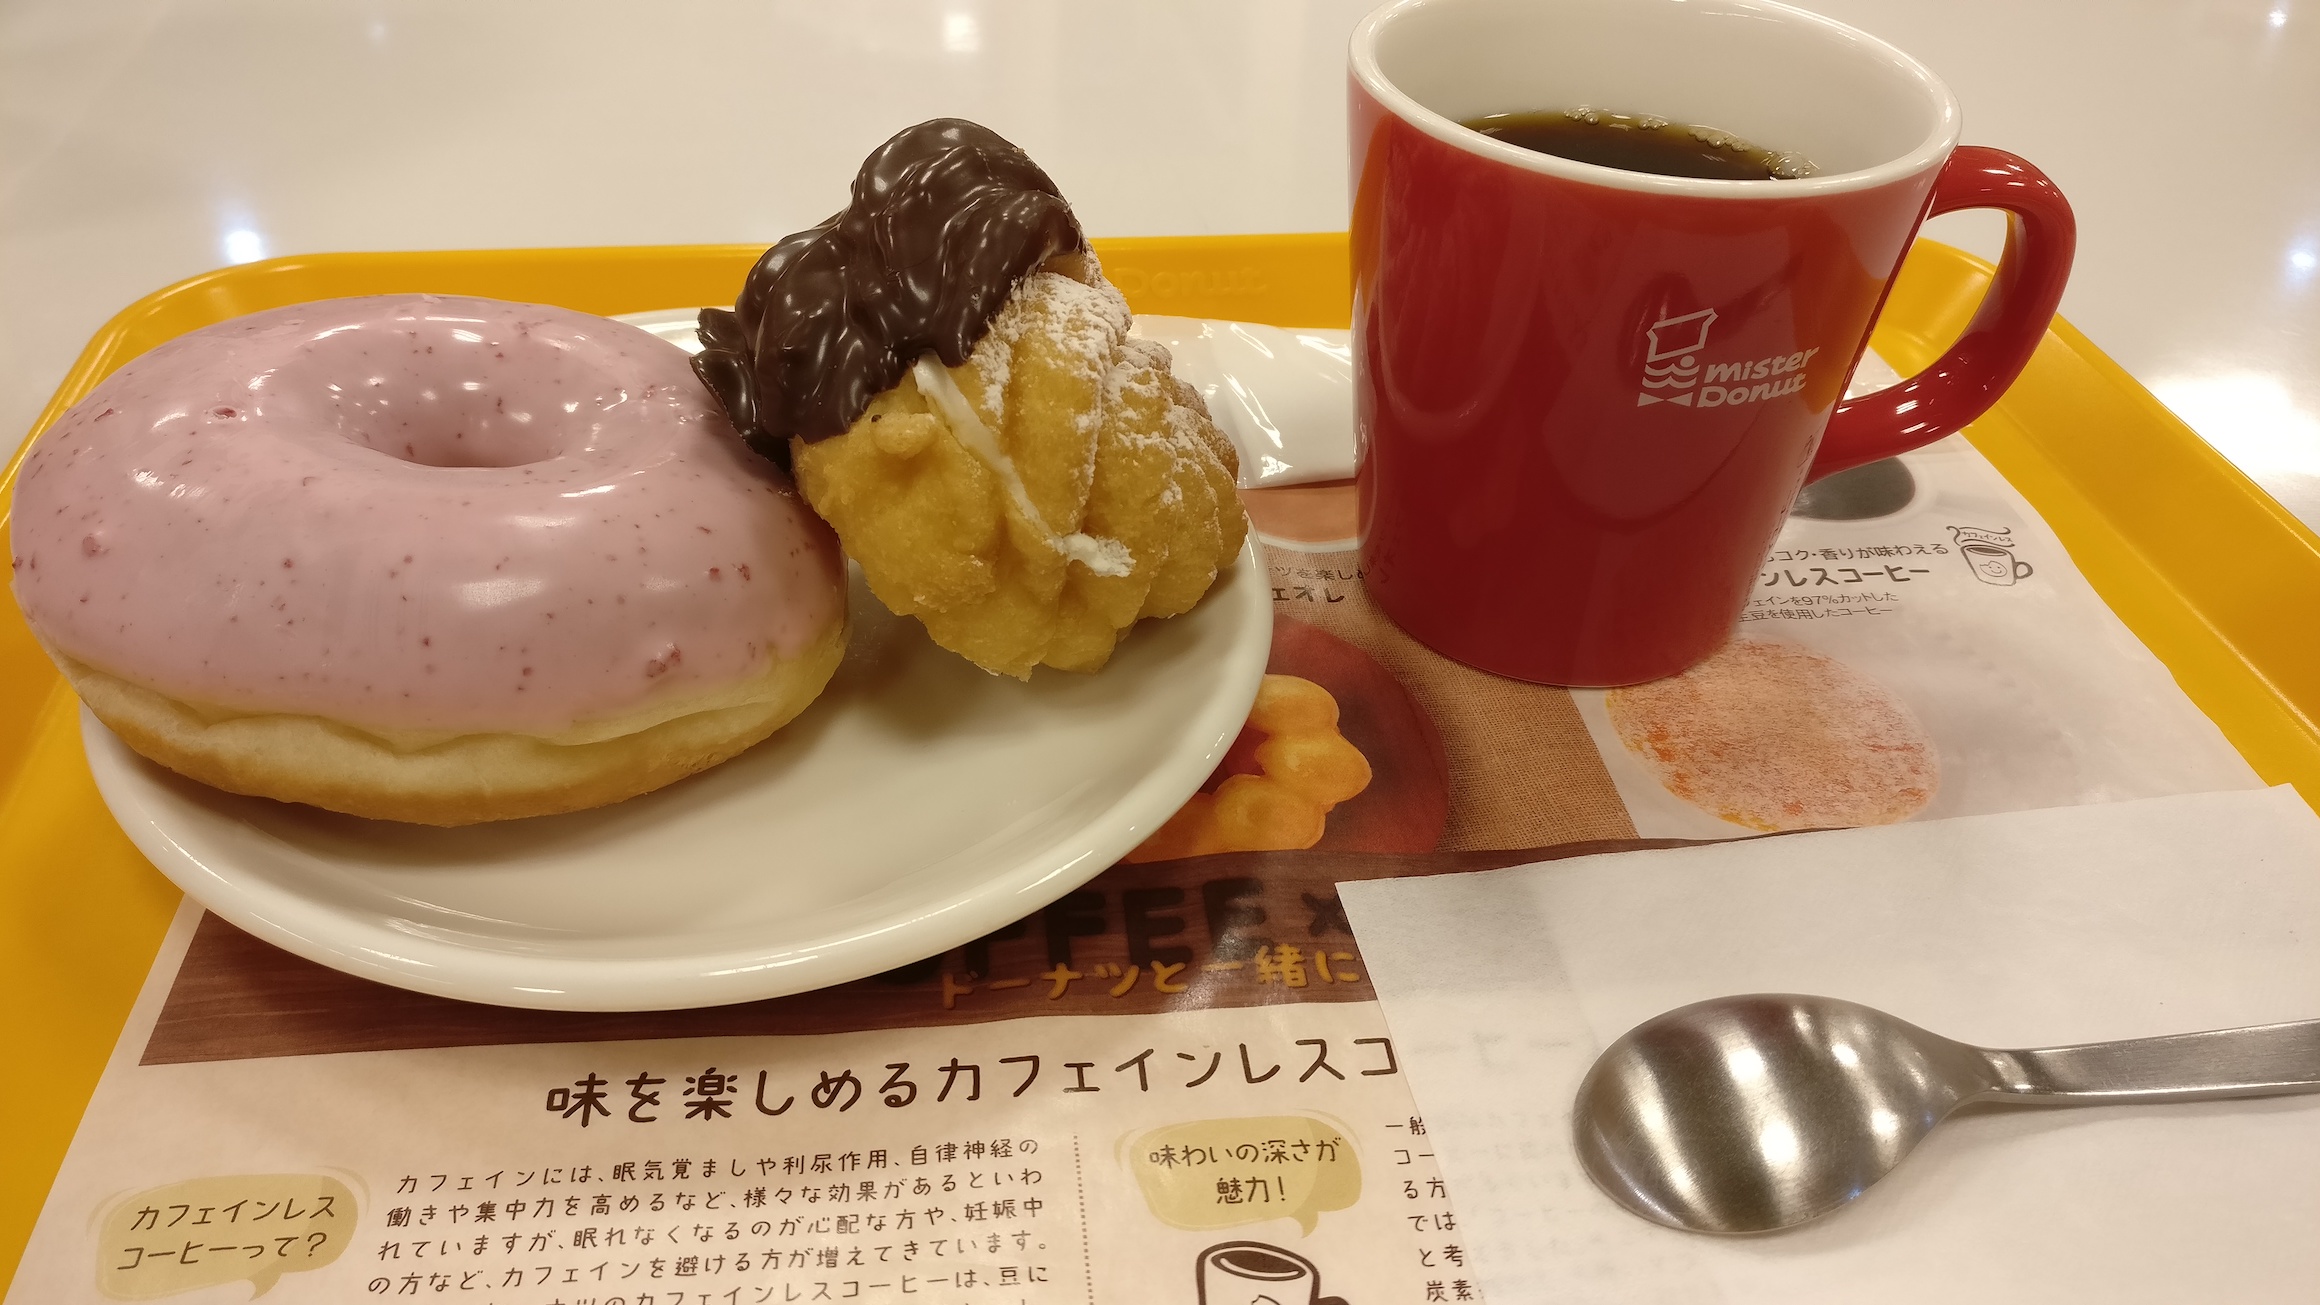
<point x="444" y="391"/>
<point x="437" y="434"/>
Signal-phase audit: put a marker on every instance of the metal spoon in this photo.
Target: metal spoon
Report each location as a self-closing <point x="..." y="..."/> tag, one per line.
<point x="1748" y="1114"/>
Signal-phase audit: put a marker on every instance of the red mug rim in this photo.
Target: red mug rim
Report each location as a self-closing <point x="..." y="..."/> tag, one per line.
<point x="1927" y="154"/>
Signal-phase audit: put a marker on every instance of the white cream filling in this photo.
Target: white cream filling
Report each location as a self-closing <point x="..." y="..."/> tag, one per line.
<point x="1107" y="557"/>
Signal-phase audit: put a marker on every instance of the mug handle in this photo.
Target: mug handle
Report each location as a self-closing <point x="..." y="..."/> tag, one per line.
<point x="2041" y="236"/>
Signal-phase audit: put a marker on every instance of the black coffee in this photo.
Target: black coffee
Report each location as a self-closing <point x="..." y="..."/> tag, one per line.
<point x="1250" y="1262"/>
<point x="1641" y="143"/>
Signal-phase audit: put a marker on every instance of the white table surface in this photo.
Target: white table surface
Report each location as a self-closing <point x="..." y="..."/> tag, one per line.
<point x="142" y="141"/>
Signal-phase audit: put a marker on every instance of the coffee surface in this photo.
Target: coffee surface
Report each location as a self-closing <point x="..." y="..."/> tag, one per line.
<point x="1642" y="143"/>
<point x="1256" y="1263"/>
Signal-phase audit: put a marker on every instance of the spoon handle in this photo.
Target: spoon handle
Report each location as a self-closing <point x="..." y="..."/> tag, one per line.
<point x="2266" y="1060"/>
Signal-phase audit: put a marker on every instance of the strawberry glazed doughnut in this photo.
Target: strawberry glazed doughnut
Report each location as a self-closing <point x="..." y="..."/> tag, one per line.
<point x="423" y="558"/>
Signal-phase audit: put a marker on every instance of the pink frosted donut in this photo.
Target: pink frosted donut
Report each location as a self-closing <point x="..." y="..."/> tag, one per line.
<point x="423" y="558"/>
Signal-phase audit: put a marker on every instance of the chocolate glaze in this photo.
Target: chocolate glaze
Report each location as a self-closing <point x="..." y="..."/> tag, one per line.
<point x="946" y="218"/>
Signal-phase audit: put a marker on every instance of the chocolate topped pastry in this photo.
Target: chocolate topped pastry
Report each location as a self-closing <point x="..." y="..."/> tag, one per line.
<point x="953" y="382"/>
<point x="947" y="218"/>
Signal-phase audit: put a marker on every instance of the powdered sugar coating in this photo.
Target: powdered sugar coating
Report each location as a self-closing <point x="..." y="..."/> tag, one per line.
<point x="1035" y="502"/>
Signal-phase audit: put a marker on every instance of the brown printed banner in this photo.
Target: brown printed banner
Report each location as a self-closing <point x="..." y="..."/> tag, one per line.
<point x="1238" y="929"/>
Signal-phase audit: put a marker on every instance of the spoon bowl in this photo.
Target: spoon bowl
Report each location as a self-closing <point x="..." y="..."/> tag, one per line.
<point x="1755" y="1113"/>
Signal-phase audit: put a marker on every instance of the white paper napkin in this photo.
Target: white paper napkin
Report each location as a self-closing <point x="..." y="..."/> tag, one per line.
<point x="2027" y="929"/>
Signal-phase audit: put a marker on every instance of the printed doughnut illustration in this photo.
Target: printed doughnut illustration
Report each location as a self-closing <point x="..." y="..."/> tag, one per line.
<point x="1335" y="754"/>
<point x="1304" y="767"/>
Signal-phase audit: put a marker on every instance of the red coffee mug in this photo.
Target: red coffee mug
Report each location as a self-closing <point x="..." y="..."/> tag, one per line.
<point x="1586" y="397"/>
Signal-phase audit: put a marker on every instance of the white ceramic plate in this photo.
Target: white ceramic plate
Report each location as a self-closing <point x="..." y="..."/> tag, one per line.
<point x="918" y="804"/>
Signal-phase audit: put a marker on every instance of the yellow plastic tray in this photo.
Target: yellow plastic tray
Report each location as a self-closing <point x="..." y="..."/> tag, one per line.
<point x="2219" y="580"/>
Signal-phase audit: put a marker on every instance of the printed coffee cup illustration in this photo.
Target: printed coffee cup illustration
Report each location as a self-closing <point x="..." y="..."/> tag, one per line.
<point x="1990" y="554"/>
<point x="1255" y="1273"/>
<point x="1994" y="565"/>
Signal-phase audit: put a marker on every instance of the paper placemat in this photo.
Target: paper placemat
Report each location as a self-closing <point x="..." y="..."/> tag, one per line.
<point x="1207" y="992"/>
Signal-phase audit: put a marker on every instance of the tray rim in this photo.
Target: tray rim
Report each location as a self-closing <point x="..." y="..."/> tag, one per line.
<point x="80" y="949"/>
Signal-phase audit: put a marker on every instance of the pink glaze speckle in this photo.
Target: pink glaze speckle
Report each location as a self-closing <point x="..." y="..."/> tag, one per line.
<point x="416" y="512"/>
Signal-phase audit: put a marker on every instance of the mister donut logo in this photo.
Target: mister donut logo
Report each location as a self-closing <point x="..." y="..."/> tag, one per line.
<point x="1674" y="370"/>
